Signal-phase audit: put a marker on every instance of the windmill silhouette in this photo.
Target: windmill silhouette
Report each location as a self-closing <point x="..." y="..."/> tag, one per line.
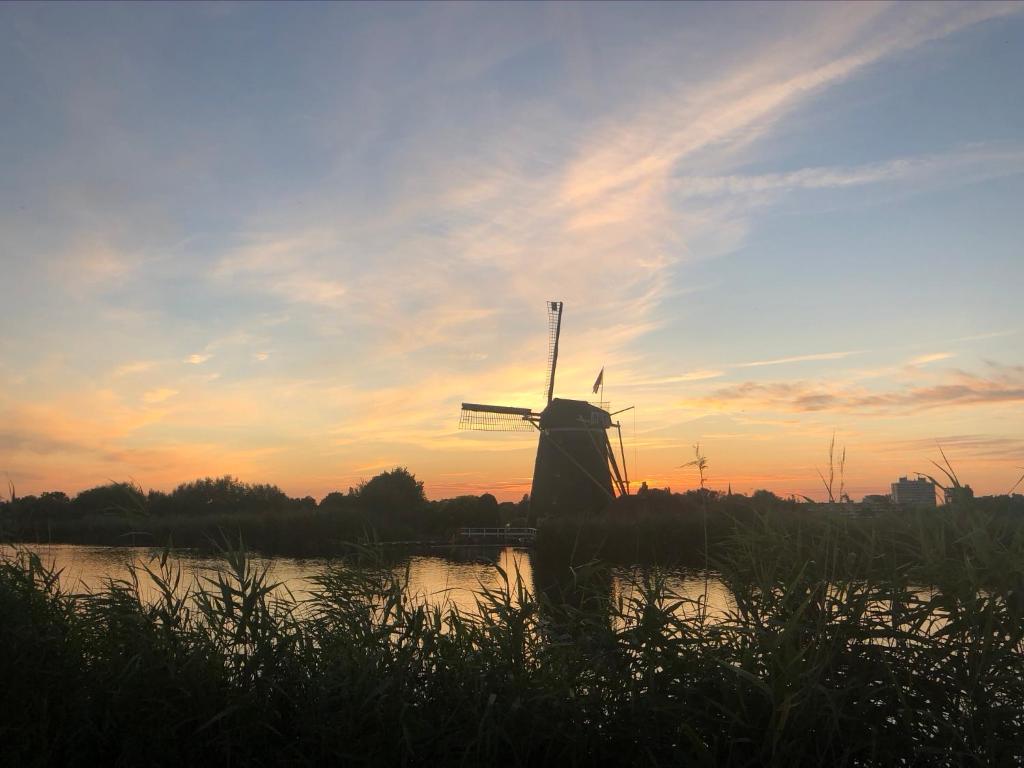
<point x="575" y="469"/>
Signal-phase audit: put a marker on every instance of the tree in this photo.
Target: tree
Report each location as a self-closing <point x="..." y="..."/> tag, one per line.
<point x="764" y="498"/>
<point x="113" y="498"/>
<point x="306" y="503"/>
<point x="336" y="500"/>
<point x="392" y="493"/>
<point x="468" y="511"/>
<point x="226" y="495"/>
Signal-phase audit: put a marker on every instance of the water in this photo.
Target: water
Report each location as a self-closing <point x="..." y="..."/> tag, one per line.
<point x="455" y="579"/>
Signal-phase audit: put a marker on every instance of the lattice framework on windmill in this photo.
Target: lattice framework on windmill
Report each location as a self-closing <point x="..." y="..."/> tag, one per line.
<point x="497" y="418"/>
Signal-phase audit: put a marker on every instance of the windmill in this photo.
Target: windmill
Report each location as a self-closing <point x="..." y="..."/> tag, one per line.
<point x="575" y="469"/>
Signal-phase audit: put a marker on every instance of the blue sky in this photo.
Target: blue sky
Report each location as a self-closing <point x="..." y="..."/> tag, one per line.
<point x="285" y="241"/>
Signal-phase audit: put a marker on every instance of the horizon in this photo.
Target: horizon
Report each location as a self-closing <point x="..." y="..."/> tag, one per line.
<point x="285" y="242"/>
<point x="347" y="491"/>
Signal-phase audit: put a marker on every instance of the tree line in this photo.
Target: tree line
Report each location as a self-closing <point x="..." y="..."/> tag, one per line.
<point x="392" y="505"/>
<point x="651" y="525"/>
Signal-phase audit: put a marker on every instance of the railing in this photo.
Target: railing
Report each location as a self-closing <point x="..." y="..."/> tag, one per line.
<point x="502" y="534"/>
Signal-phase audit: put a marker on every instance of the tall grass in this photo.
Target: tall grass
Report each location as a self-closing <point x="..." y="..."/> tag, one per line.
<point x="845" y="647"/>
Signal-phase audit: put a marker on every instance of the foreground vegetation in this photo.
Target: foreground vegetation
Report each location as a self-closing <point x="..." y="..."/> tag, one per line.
<point x="844" y="647"/>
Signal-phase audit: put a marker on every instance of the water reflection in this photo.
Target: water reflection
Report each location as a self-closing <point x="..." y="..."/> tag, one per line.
<point x="455" y="579"/>
<point x="691" y="589"/>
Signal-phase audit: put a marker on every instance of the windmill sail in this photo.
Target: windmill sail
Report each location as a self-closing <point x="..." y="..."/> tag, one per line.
<point x="554" y="331"/>
<point x="496" y="418"/>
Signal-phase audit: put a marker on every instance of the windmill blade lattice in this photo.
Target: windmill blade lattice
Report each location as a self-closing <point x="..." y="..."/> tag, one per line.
<point x="554" y="330"/>
<point x="496" y="418"/>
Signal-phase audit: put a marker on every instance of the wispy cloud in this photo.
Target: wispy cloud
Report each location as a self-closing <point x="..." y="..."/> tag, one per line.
<point x="140" y="366"/>
<point x="930" y="358"/>
<point x="989" y="446"/>
<point x="94" y="263"/>
<point x="800" y="359"/>
<point x="958" y="389"/>
<point x="991" y="335"/>
<point x="633" y="157"/>
<point x="955" y="167"/>
<point x="701" y="375"/>
<point x="297" y="268"/>
<point x="159" y="395"/>
<point x="502" y="229"/>
<point x="198" y="358"/>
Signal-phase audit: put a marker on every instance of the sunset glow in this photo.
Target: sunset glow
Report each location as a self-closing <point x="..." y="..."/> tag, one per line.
<point x="286" y="242"/>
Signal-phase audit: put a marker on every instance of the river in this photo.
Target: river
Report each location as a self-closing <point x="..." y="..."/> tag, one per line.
<point x="454" y="578"/>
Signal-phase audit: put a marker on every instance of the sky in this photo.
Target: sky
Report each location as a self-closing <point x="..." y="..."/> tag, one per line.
<point x="285" y="242"/>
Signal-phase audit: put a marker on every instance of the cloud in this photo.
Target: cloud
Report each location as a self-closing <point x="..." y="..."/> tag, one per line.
<point x="931" y="358"/>
<point x="159" y="395"/>
<point x="630" y="159"/>
<point x="198" y="358"/>
<point x="493" y="227"/>
<point x="992" y="335"/>
<point x="959" y="389"/>
<point x="799" y="359"/>
<point x="475" y="236"/>
<point x="690" y="376"/>
<point x="140" y="366"/>
<point x="32" y="442"/>
<point x="701" y="375"/>
<point x="987" y="446"/>
<point x="261" y="356"/>
<point x="955" y="167"/>
<point x="93" y="263"/>
<point x="297" y="268"/>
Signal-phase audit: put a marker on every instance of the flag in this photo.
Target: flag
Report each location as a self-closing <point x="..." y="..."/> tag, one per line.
<point x="599" y="381"/>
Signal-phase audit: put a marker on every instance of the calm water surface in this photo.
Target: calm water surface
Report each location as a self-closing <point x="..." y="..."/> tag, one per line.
<point x="455" y="579"/>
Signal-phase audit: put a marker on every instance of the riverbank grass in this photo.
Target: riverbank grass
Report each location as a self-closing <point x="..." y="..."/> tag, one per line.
<point x="841" y="648"/>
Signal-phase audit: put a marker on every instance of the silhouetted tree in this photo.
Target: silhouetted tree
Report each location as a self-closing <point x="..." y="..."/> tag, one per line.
<point x="764" y="499"/>
<point x="49" y="505"/>
<point x="393" y="491"/>
<point x="478" y="511"/>
<point x="113" y="498"/>
<point x="336" y="500"/>
<point x="392" y="498"/>
<point x="226" y="495"/>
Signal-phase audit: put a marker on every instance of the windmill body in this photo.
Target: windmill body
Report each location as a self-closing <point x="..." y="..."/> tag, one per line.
<point x="575" y="471"/>
<point x="572" y="470"/>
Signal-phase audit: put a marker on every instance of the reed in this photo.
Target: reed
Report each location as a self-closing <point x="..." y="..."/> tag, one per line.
<point x="846" y="645"/>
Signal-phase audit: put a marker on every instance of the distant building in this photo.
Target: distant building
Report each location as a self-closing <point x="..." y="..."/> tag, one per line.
<point x="957" y="495"/>
<point x="916" y="493"/>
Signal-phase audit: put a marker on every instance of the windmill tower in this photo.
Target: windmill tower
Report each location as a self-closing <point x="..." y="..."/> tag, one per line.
<point x="575" y="469"/>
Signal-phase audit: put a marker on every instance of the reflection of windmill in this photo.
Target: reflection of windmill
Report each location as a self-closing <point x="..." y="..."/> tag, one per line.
<point x="575" y="470"/>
